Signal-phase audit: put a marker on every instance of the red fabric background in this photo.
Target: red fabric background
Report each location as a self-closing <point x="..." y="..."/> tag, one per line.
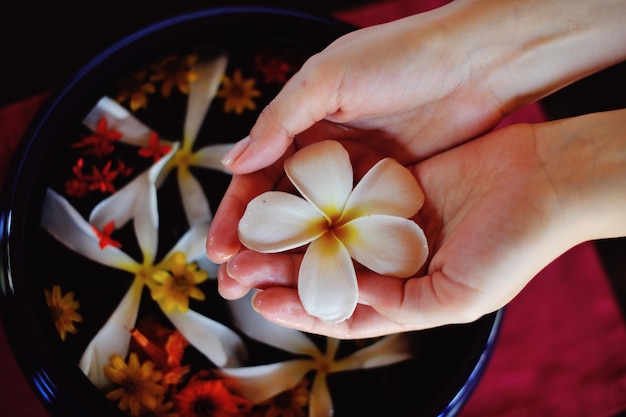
<point x="561" y="349"/>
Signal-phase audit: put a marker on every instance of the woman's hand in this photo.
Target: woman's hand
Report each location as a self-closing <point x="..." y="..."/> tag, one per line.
<point x="422" y="87"/>
<point x="498" y="209"/>
<point x="436" y="79"/>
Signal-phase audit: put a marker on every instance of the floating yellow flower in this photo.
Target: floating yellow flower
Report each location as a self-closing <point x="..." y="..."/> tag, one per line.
<point x="175" y="71"/>
<point x="63" y="310"/>
<point x="176" y="285"/>
<point x="239" y="93"/>
<point x="138" y="388"/>
<point x="370" y="224"/>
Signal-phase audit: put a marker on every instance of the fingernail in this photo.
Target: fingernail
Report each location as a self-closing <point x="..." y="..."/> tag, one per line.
<point x="254" y="302"/>
<point x="236" y="151"/>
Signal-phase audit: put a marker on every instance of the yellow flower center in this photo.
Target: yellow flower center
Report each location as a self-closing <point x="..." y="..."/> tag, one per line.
<point x="182" y="158"/>
<point x="145" y="275"/>
<point x="181" y="284"/>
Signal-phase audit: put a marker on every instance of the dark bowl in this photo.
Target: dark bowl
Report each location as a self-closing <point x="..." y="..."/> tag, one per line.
<point x="70" y="162"/>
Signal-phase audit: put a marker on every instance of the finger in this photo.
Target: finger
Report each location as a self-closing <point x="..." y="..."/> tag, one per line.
<point x="253" y="269"/>
<point x="283" y="306"/>
<point x="223" y="240"/>
<point x="229" y="288"/>
<point x="308" y="97"/>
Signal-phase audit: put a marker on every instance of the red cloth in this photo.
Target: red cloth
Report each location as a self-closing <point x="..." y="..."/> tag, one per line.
<point x="16" y="397"/>
<point x="561" y="350"/>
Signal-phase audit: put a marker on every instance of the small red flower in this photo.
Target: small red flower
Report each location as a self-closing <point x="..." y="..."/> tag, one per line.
<point x="77" y="186"/>
<point x="274" y="69"/>
<point x="166" y="360"/>
<point x="154" y="149"/>
<point x="105" y="235"/>
<point x="102" y="179"/>
<point x="101" y="141"/>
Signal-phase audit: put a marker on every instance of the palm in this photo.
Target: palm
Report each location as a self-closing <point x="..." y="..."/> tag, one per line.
<point x="485" y="202"/>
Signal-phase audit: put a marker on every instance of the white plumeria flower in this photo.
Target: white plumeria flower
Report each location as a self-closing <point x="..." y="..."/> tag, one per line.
<point x="217" y="342"/>
<point x="134" y="132"/>
<point x="369" y="223"/>
<point x="262" y="382"/>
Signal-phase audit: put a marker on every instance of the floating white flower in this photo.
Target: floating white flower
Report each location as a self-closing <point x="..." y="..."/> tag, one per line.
<point x="261" y="382"/>
<point x="134" y="132"/>
<point x="217" y="342"/>
<point x="370" y="223"/>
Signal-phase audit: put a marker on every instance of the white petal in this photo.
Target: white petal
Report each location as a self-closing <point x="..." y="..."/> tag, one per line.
<point x="63" y="222"/>
<point x="276" y="221"/>
<point x="246" y="319"/>
<point x="118" y="118"/>
<point x="210" y="267"/>
<point x="259" y="383"/>
<point x="193" y="242"/>
<point x="113" y="337"/>
<point x="217" y="342"/>
<point x="195" y="203"/>
<point x="387" y="245"/>
<point x="320" y="401"/>
<point x="322" y="172"/>
<point x="387" y="188"/>
<point x="157" y="169"/>
<point x="138" y="200"/>
<point x="211" y="157"/>
<point x="387" y="351"/>
<point x="201" y="93"/>
<point x="327" y="283"/>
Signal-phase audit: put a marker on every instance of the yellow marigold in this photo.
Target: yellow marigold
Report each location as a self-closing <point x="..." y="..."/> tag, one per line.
<point x="175" y="71"/>
<point x="136" y="90"/>
<point x="138" y="389"/>
<point x="239" y="93"/>
<point x="63" y="310"/>
<point x="177" y="283"/>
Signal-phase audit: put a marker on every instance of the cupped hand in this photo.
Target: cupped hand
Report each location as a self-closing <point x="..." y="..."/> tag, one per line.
<point x="498" y="209"/>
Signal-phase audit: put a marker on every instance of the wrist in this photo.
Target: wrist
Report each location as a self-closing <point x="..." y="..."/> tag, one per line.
<point x="585" y="159"/>
<point x="525" y="50"/>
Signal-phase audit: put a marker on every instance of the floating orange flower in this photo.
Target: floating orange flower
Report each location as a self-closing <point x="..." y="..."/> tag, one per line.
<point x="167" y="359"/>
<point x="210" y="398"/>
<point x="139" y="387"/>
<point x="63" y="310"/>
<point x="239" y="93"/>
<point x="136" y="90"/>
<point x="175" y="71"/>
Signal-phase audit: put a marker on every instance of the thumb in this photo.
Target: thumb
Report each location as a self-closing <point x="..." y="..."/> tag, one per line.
<point x="306" y="99"/>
